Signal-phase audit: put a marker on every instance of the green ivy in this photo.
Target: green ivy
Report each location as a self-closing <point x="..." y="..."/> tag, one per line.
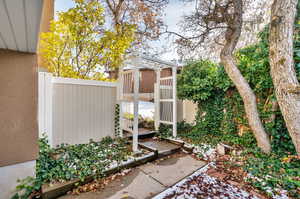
<point x="165" y="130"/>
<point x="117" y="120"/>
<point x="221" y="109"/>
<point x="297" y="42"/>
<point x="68" y="162"/>
<point x="273" y="170"/>
<point x="221" y="115"/>
<point x="199" y="80"/>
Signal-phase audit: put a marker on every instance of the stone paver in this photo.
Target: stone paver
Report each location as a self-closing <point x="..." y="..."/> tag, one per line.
<point x="147" y="180"/>
<point x="161" y="145"/>
<point x="172" y="170"/>
<point x="136" y="185"/>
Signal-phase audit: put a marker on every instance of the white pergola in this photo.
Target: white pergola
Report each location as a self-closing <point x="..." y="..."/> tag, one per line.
<point x="165" y="96"/>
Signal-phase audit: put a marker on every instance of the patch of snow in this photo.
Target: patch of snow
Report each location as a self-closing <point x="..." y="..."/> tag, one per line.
<point x="189" y="189"/>
<point x="130" y="159"/>
<point x="276" y="193"/>
<point x="205" y="151"/>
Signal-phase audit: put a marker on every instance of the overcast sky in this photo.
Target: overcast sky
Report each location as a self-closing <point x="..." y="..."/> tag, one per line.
<point x="173" y="13"/>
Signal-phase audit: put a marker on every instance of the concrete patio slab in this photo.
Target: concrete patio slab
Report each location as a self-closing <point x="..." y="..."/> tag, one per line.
<point x="136" y="185"/>
<point x="170" y="171"/>
<point x="145" y="181"/>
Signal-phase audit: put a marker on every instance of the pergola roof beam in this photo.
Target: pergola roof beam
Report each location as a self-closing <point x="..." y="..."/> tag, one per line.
<point x="148" y="63"/>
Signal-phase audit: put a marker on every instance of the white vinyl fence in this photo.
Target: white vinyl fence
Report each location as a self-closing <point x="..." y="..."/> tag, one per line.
<point x="74" y="111"/>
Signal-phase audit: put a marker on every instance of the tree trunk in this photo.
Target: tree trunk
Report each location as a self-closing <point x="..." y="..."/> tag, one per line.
<point x="283" y="73"/>
<point x="231" y="37"/>
<point x="274" y="108"/>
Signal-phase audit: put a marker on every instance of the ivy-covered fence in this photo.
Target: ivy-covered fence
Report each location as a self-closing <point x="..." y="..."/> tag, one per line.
<point x="221" y="115"/>
<point x="221" y="111"/>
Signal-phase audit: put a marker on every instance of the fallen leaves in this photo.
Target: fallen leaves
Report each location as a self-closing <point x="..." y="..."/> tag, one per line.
<point x="99" y="184"/>
<point x="205" y="186"/>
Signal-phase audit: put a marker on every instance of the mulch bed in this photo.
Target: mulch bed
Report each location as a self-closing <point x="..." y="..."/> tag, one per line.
<point x="232" y="173"/>
<point x="223" y="180"/>
<point x="205" y="186"/>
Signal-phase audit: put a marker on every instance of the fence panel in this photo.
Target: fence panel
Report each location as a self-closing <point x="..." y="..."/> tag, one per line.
<point x="81" y="110"/>
<point x="45" y="90"/>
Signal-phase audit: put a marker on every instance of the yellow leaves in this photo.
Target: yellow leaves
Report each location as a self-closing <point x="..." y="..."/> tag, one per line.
<point x="285" y="159"/>
<point x="79" y="1"/>
<point x="117" y="42"/>
<point x="79" y="46"/>
<point x="125" y="195"/>
<point x="290" y="158"/>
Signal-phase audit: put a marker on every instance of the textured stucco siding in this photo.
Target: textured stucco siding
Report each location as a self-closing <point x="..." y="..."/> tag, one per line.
<point x="18" y="107"/>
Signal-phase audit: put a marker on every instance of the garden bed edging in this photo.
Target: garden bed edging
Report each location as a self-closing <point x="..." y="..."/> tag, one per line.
<point x="54" y="191"/>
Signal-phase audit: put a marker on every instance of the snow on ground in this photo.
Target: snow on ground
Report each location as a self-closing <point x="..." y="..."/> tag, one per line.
<point x="129" y="160"/>
<point x="208" y="153"/>
<point x="201" y="185"/>
<point x="205" y="151"/>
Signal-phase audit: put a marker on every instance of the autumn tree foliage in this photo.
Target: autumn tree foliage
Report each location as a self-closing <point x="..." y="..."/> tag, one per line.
<point x="222" y="21"/>
<point x="80" y="46"/>
<point x="145" y="14"/>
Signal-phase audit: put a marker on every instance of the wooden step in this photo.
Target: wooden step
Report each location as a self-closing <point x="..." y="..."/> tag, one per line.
<point x="163" y="148"/>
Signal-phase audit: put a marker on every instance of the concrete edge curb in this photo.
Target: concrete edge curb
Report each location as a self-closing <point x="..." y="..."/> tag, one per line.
<point x="62" y="188"/>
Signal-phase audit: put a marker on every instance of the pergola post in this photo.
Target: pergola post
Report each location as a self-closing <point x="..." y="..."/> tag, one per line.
<point x="120" y="97"/>
<point x="136" y="110"/>
<point x="157" y="100"/>
<point x="174" y="84"/>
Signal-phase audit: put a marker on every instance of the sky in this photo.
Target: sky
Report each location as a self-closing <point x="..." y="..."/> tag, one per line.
<point x="173" y="14"/>
<point x="63" y="5"/>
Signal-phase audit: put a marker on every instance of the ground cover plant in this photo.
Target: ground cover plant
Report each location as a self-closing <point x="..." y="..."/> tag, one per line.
<point x="67" y="162"/>
<point x="221" y="117"/>
<point x="269" y="173"/>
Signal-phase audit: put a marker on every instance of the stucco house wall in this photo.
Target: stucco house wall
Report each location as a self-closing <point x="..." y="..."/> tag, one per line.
<point x="18" y="88"/>
<point x="18" y="110"/>
<point x="18" y="118"/>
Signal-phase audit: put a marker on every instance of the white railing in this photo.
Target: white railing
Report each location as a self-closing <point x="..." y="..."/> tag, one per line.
<point x="166" y="100"/>
<point x="127" y="81"/>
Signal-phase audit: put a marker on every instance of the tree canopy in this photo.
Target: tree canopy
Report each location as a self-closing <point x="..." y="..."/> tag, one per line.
<point x="80" y="46"/>
<point x="145" y="14"/>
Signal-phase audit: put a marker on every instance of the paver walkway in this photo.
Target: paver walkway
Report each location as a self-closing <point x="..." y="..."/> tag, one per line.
<point x="147" y="180"/>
